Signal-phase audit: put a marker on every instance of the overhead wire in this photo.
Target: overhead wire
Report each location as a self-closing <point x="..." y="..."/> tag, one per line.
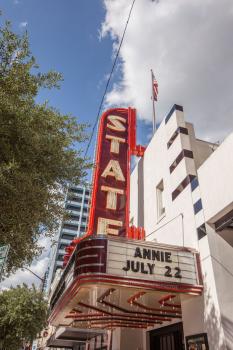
<point x="109" y="79"/>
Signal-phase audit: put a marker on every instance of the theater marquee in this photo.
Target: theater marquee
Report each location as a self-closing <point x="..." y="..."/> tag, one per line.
<point x="157" y="266"/>
<point x="152" y="262"/>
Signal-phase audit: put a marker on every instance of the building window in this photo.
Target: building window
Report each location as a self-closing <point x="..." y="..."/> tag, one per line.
<point x="60" y="257"/>
<point x="76" y="190"/>
<point x="160" y="200"/>
<point x="73" y="217"/>
<point x="197" y="206"/>
<point x="66" y="236"/>
<point x="70" y="227"/>
<point x="75" y="199"/>
<point x="72" y="207"/>
<point x="62" y="246"/>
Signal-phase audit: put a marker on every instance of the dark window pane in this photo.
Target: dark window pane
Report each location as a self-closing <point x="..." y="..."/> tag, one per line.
<point x="70" y="227"/>
<point x="75" y="199"/>
<point x="66" y="236"/>
<point x="72" y="207"/>
<point x="62" y="246"/>
<point x="197" y="206"/>
<point x="74" y="217"/>
<point x="76" y="190"/>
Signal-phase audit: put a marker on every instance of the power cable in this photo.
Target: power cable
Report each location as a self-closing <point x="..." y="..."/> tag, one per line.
<point x="109" y="78"/>
<point x="35" y="274"/>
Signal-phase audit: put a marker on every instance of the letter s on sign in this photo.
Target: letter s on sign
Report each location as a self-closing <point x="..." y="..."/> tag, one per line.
<point x="116" y="123"/>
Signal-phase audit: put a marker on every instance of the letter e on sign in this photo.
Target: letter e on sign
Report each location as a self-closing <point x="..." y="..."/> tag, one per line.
<point x="104" y="226"/>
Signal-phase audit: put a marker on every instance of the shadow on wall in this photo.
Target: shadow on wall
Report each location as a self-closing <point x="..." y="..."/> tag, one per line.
<point x="213" y="323"/>
<point x="228" y="330"/>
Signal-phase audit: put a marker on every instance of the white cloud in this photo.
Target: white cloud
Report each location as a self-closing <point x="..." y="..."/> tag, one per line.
<point x="188" y="45"/>
<point x="102" y="81"/>
<point x="23" y="24"/>
<point x="25" y="276"/>
<point x="38" y="266"/>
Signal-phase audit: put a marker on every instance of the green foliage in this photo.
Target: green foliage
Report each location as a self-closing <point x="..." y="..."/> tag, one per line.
<point x="39" y="151"/>
<point x="23" y="313"/>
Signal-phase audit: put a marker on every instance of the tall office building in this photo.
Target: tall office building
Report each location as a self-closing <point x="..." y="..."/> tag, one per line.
<point x="76" y="203"/>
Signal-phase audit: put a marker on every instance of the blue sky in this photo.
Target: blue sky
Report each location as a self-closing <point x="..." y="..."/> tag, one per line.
<point x="178" y="39"/>
<point x="185" y="42"/>
<point x="64" y="36"/>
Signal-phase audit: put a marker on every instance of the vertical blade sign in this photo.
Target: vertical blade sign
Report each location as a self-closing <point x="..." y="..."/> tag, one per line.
<point x="109" y="212"/>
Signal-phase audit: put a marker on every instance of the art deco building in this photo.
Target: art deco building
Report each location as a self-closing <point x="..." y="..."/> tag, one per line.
<point x="169" y="286"/>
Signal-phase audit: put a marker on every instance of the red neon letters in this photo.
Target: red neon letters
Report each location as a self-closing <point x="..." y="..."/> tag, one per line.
<point x="109" y="212"/>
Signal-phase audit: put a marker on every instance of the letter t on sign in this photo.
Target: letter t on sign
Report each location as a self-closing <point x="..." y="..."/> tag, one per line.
<point x="111" y="196"/>
<point x="115" y="143"/>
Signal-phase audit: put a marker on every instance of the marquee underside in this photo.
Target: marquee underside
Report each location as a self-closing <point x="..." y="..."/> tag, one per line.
<point x="68" y="337"/>
<point x="104" y="306"/>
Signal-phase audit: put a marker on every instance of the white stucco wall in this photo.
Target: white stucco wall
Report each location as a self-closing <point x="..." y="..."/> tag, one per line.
<point x="178" y="225"/>
<point x="216" y="179"/>
<point x="216" y="186"/>
<point x="211" y="313"/>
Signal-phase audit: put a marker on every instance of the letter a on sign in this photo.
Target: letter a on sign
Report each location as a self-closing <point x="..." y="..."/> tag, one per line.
<point x="113" y="169"/>
<point x="109" y="211"/>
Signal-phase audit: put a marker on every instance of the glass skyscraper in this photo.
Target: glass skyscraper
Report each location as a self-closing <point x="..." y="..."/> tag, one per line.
<point x="76" y="203"/>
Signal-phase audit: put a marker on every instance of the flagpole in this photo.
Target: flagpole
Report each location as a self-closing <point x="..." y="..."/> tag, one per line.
<point x="153" y="102"/>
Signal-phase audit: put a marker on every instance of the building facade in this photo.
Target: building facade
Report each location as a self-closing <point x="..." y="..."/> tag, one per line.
<point x="170" y="289"/>
<point x="181" y="193"/>
<point x="76" y="203"/>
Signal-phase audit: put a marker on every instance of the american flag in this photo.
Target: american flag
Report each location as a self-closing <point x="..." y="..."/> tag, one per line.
<point x="155" y="86"/>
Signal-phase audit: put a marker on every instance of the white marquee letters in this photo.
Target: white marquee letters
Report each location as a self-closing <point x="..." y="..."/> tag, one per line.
<point x="104" y="229"/>
<point x="116" y="123"/>
<point x="115" y="143"/>
<point x="113" y="169"/>
<point x="111" y="196"/>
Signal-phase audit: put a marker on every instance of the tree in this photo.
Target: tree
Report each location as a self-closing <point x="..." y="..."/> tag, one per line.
<point x="23" y="313"/>
<point x="39" y="151"/>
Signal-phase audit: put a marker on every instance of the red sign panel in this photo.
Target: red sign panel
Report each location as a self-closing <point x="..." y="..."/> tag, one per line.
<point x="109" y="212"/>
